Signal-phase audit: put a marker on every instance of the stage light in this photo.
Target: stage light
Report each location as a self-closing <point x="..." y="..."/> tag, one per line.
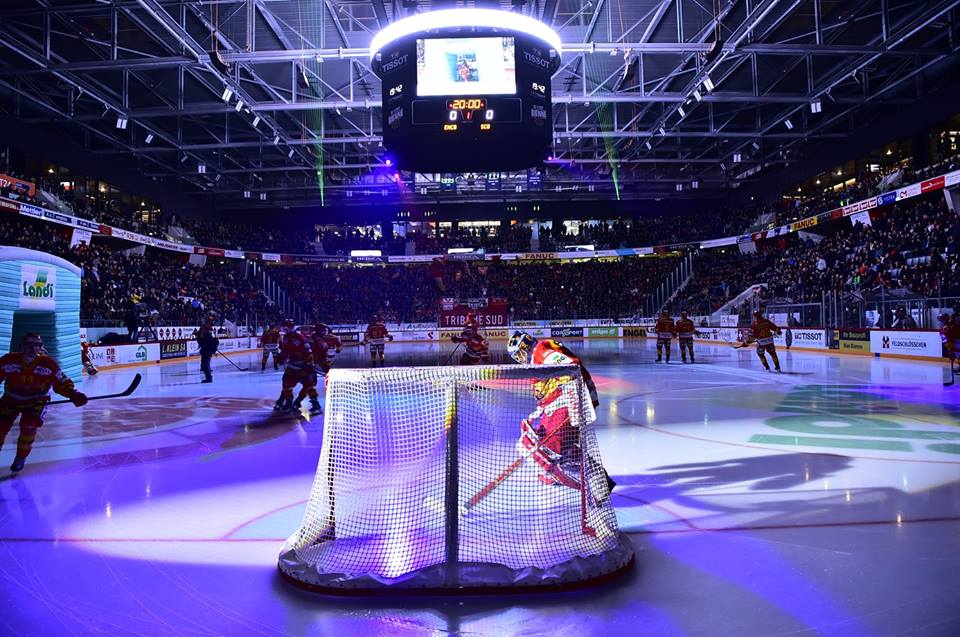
<point x="246" y="194"/>
<point x="648" y="145"/>
<point x="708" y="84"/>
<point x="682" y="112"/>
<point x="202" y="169"/>
<point x="227" y="94"/>
<point x="256" y="120"/>
<point x="663" y="131"/>
<point x="122" y="122"/>
<point x="697" y="96"/>
<point x="755" y="145"/>
<point x="290" y="154"/>
<point x="149" y="138"/>
<point x="239" y="106"/>
<point x="263" y="196"/>
<point x="737" y="157"/>
<point x="788" y="124"/>
<point x="816" y="106"/>
<point x="276" y="140"/>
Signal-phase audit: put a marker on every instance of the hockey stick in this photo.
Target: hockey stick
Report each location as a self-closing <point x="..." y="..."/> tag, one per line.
<point x="954" y="370"/>
<point x="126" y="392"/>
<point x="447" y="362"/>
<point x="231" y="362"/>
<point x="496" y="482"/>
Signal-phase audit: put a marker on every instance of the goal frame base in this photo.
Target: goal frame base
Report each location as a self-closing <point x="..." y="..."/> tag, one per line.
<point x="470" y="591"/>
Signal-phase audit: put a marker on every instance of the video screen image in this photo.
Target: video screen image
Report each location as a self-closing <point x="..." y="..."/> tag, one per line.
<point x="462" y="66"/>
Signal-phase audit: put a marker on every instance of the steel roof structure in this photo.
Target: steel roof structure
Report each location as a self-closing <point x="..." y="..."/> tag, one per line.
<point x="274" y="100"/>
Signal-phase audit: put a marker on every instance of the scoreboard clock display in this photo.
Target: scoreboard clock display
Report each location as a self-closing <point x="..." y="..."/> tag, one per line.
<point x="466" y="90"/>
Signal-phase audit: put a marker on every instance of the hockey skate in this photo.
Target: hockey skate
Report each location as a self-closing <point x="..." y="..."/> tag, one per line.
<point x="17" y="465"/>
<point x="283" y="405"/>
<point x="315" y="407"/>
<point x="297" y="404"/>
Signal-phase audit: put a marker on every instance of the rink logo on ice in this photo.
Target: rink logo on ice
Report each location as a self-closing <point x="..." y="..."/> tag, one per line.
<point x="38" y="286"/>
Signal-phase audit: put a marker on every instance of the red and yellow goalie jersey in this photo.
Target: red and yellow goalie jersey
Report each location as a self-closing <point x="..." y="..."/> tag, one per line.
<point x="665" y="328"/>
<point x="763" y="330"/>
<point x="295" y="352"/>
<point x="376" y="333"/>
<point x="475" y="344"/>
<point x="31" y="382"/>
<point x="550" y="352"/>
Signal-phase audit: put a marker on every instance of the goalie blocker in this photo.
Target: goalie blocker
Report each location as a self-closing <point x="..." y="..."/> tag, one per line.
<point x="432" y="479"/>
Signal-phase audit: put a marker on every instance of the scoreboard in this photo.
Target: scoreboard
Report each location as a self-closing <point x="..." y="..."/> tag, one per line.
<point x="466" y="90"/>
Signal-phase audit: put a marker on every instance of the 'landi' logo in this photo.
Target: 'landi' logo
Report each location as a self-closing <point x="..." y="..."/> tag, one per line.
<point x="39" y="289"/>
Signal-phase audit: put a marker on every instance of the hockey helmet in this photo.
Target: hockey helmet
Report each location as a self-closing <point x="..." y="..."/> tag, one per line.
<point x="288" y="323"/>
<point x="664" y="313"/>
<point x="944" y="318"/>
<point x="520" y="347"/>
<point x="32" y="339"/>
<point x="321" y="329"/>
<point x="758" y="314"/>
<point x="683" y="314"/>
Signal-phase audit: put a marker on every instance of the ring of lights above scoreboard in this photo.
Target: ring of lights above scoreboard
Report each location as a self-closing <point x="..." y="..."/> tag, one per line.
<point x="466" y="90"/>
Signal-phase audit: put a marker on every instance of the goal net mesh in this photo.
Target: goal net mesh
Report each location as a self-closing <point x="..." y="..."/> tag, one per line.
<point x="457" y="477"/>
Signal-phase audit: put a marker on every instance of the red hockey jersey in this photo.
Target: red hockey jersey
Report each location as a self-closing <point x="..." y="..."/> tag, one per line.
<point x="550" y="352"/>
<point x="31" y="382"/>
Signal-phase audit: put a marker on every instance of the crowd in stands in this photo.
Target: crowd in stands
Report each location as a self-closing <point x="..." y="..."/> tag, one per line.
<point x="156" y="287"/>
<point x="591" y="289"/>
<point x="913" y="245"/>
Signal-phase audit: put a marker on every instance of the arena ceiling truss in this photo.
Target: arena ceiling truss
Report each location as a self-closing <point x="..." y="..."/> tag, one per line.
<point x="275" y="99"/>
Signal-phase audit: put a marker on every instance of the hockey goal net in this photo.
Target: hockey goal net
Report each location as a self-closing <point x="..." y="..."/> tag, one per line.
<point x="455" y="478"/>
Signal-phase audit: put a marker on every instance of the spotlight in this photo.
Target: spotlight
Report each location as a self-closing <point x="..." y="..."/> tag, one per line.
<point x="246" y="194"/>
<point x="388" y="161"/>
<point x="263" y="196"/>
<point x="149" y="138"/>
<point x="697" y="96"/>
<point x="708" y="84"/>
<point x="290" y="154"/>
<point x="227" y="94"/>
<point x="121" y="122"/>
<point x="682" y="112"/>
<point x="737" y="157"/>
<point x="663" y="131"/>
<point x="679" y="187"/>
<point x="202" y="169"/>
<point x="695" y="185"/>
<point x="256" y="120"/>
<point x="648" y="145"/>
<point x="816" y="106"/>
<point x="239" y="106"/>
<point x="183" y="158"/>
<point x="276" y="140"/>
<point x="788" y="124"/>
<point x="755" y="145"/>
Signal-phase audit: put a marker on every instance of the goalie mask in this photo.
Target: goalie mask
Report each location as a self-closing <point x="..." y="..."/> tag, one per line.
<point x="521" y="347"/>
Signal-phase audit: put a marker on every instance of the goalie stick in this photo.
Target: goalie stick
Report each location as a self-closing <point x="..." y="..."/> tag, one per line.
<point x="242" y="369"/>
<point x="126" y="392"/>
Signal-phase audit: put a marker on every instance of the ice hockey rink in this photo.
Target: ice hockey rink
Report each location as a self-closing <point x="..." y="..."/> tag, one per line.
<point x="824" y="500"/>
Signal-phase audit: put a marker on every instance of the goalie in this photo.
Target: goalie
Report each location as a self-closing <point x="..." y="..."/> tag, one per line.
<point x="476" y="350"/>
<point x="549" y="434"/>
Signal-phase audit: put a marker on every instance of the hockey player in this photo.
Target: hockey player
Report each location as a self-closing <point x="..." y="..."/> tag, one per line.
<point x="374" y="336"/>
<point x="665" y="330"/>
<point x="271" y="346"/>
<point x="477" y="348"/>
<point x="762" y="331"/>
<point x="549" y="432"/>
<point x="297" y="359"/>
<point x="208" y="344"/>
<point x="950" y="335"/>
<point x="29" y="376"/>
<point x="88" y="365"/>
<point x="686" y="330"/>
<point x="332" y="346"/>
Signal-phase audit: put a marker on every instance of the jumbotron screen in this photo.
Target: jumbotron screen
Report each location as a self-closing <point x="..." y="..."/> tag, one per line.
<point x="466" y="66"/>
<point x="466" y="98"/>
